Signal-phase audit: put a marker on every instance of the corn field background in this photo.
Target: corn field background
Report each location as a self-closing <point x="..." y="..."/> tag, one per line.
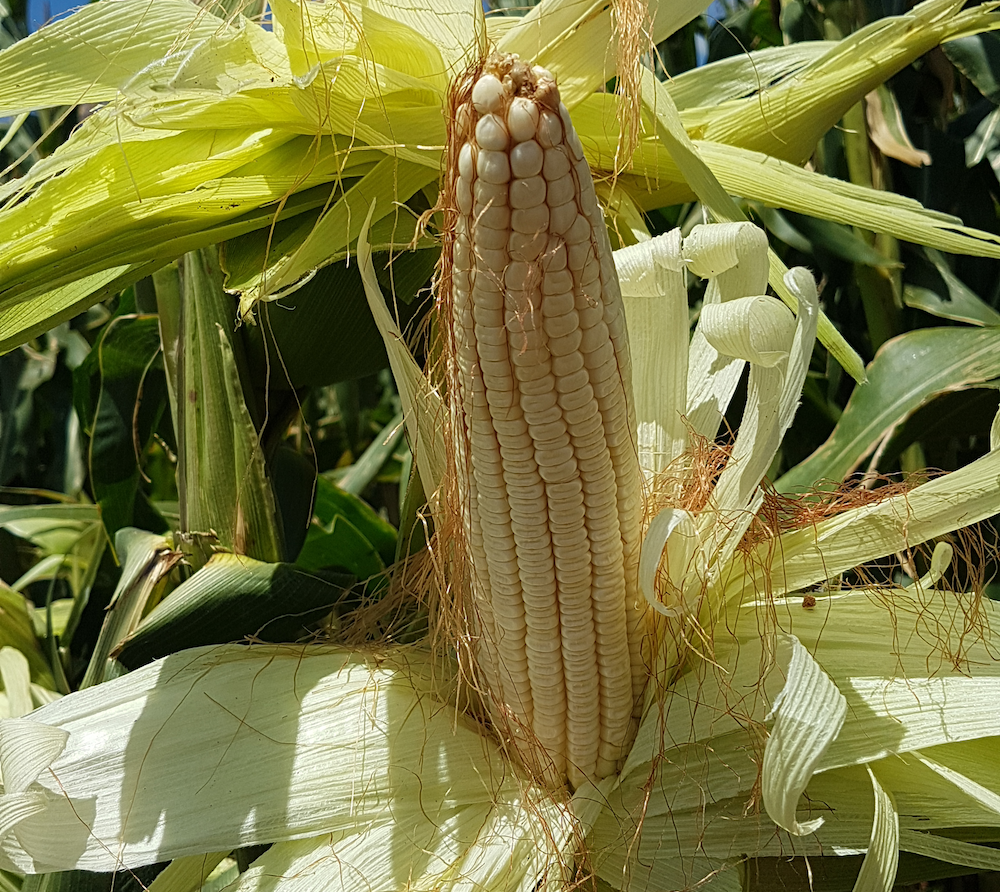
<point x="293" y="470"/>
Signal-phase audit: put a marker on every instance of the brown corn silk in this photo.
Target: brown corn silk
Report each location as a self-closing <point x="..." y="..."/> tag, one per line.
<point x="542" y="414"/>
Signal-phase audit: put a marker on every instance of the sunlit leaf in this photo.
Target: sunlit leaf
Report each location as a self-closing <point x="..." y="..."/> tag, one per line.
<point x="90" y="56"/>
<point x="340" y="745"/>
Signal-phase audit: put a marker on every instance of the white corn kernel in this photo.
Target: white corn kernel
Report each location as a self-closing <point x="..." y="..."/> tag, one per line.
<point x="542" y="391"/>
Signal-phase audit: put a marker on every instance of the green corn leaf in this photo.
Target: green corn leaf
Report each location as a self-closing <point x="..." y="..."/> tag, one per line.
<point x="346" y="533"/>
<point x="323" y="332"/>
<point x="357" y="477"/>
<point x="959" y="302"/>
<point x="54" y="528"/>
<point x="146" y="560"/>
<point x="906" y="373"/>
<point x="978" y="58"/>
<point x="841" y="242"/>
<point x="130" y="399"/>
<point x="231" y="598"/>
<point x="17" y="631"/>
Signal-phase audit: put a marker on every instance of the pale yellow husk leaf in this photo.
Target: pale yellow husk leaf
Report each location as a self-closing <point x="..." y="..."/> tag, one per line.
<point x="259" y="125"/>
<point x="703" y="746"/>
<point x="339" y="743"/>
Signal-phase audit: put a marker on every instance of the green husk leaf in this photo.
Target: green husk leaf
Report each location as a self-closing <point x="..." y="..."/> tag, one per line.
<point x="780" y="184"/>
<point x="954" y="851"/>
<point x="561" y="35"/>
<point x="702" y="178"/>
<point x="187" y="874"/>
<point x="222" y="476"/>
<point x="390" y="180"/>
<point x="804" y="557"/>
<point x="808" y="714"/>
<point x="656" y="307"/>
<point x="146" y="560"/>
<point x="231" y="598"/>
<point x="743" y="75"/>
<point x="786" y="120"/>
<point x="878" y="871"/>
<point x="422" y="405"/>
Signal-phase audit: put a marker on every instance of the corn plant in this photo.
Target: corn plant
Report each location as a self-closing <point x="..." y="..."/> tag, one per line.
<point x="694" y="669"/>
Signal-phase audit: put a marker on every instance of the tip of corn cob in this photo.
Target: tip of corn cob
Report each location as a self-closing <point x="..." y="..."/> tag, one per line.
<point x="544" y="428"/>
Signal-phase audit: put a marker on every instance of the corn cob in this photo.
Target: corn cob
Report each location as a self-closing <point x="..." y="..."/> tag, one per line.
<point x="544" y="425"/>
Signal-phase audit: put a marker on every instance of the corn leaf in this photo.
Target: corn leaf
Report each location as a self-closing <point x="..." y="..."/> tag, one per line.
<point x="906" y="373"/>
<point x="347" y="533"/>
<point x="16" y="676"/>
<point x="128" y="407"/>
<point x="146" y="560"/>
<point x="55" y="528"/>
<point x="357" y="477"/>
<point x="231" y="598"/>
<point x="960" y="302"/>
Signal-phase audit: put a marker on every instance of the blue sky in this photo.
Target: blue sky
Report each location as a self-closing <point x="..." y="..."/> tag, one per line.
<point x="40" y="11"/>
